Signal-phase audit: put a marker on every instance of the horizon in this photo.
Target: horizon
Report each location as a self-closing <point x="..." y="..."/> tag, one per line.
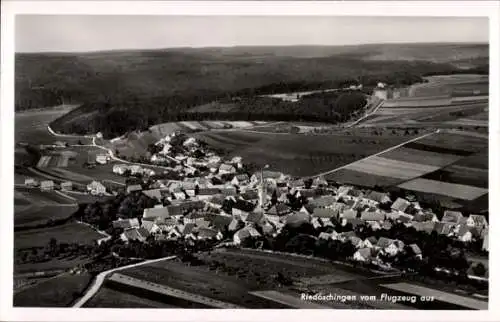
<point x="253" y="46"/>
<point x="96" y="33"/>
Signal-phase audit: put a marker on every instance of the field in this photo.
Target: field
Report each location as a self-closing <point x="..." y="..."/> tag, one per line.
<point x="109" y="298"/>
<point x="67" y="233"/>
<point x="243" y="272"/>
<point x="59" y="291"/>
<point x="39" y="215"/>
<point x="297" y="154"/>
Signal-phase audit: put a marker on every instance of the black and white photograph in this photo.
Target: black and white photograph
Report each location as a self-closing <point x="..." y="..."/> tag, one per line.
<point x="232" y="161"/>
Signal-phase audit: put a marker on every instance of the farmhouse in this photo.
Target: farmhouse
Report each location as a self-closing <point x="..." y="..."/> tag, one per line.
<point x="47" y="185"/>
<point x="67" y="186"/>
<point x="120" y="169"/>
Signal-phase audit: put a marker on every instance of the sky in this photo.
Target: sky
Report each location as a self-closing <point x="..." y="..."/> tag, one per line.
<point x="79" y="33"/>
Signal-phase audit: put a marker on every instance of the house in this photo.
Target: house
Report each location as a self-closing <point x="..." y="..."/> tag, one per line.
<point x="216" y="201"/>
<point x="96" y="188"/>
<point x="240" y="180"/>
<point x="186" y="229"/>
<point x="326" y="222"/>
<point x="207" y="193"/>
<point x="372" y="216"/>
<point x="279" y="209"/>
<point x="30" y="182"/>
<point x="464" y="234"/>
<point x="404" y="218"/>
<point x="179" y="194"/>
<point x="208" y="233"/>
<point x="386" y="225"/>
<point x="299" y="183"/>
<point x="356" y="241"/>
<point x="353" y="221"/>
<point x="349" y="214"/>
<point x="307" y="209"/>
<point x="379" y="197"/>
<point x="427" y="226"/>
<point x="134" y="188"/>
<point x="161" y="213"/>
<point x="425" y="216"/>
<point x="375" y="225"/>
<point x="150" y="226"/>
<point x="320" y="182"/>
<point x="373" y="240"/>
<point x="229" y="191"/>
<point x="297" y="218"/>
<point x="214" y="159"/>
<point x="221" y="222"/>
<point x="101" y="158"/>
<point x="384" y="242"/>
<point x="477" y="221"/>
<point x="363" y="255"/>
<point x="343" y="190"/>
<point x="400" y="204"/>
<point x="453" y="217"/>
<point x="138" y="234"/>
<point x="135" y="169"/>
<point x="250" y="195"/>
<point x="153" y="193"/>
<point x="255" y="218"/>
<point x="226" y="169"/>
<point x="267" y="174"/>
<point x="324" y="213"/>
<point x="245" y="233"/>
<point x="307" y="193"/>
<point x="47" y="185"/>
<point x="316" y="223"/>
<point x="443" y="228"/>
<point x="417" y="252"/>
<point x="67" y="186"/>
<point x="126" y="223"/>
<point x="346" y="235"/>
<point x="323" y="201"/>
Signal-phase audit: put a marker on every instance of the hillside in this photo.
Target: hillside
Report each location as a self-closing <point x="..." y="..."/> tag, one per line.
<point x="171" y="81"/>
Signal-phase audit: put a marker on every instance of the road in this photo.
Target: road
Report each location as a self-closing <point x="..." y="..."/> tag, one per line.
<point x="99" y="279"/>
<point x="376" y="154"/>
<point x="373" y="111"/>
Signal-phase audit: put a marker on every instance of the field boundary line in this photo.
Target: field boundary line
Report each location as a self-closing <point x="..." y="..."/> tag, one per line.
<point x="64" y="195"/>
<point x="376" y="154"/>
<point x="99" y="279"/>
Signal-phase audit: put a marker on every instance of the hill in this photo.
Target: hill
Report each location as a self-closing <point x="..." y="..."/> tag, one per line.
<point x="170" y="81"/>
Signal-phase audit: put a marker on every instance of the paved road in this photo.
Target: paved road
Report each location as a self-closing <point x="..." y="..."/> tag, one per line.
<point x="376" y="154"/>
<point x="99" y="280"/>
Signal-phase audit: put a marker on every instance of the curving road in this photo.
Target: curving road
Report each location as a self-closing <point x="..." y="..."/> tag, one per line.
<point x="99" y="279"/>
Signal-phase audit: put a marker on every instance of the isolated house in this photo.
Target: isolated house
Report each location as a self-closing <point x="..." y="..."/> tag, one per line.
<point x="101" y="158"/>
<point x="47" y="185"/>
<point x="67" y="186"/>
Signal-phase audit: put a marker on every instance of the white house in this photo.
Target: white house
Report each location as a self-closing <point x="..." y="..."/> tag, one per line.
<point x="101" y="158"/>
<point x="96" y="188"/>
<point x="226" y="169"/>
<point x="477" y="221"/>
<point x="120" y="169"/>
<point x="30" y="182"/>
<point x="47" y="185"/>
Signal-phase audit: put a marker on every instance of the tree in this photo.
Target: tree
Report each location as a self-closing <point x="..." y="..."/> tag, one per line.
<point x="274" y="198"/>
<point x="479" y="270"/>
<point x="308" y="183"/>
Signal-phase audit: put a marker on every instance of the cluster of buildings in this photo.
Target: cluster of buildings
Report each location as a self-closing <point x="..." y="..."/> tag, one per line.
<point x="228" y="204"/>
<point x="48" y="185"/>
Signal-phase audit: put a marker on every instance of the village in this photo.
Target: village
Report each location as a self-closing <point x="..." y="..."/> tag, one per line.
<point x="220" y="200"/>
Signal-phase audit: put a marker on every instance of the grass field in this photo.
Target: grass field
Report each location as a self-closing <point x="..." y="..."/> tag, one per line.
<point x="59" y="291"/>
<point x="299" y="154"/>
<point x="67" y="233"/>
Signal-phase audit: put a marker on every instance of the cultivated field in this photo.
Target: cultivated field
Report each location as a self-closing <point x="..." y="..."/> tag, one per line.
<point x="109" y="298"/>
<point x="29" y="216"/>
<point x="59" y="291"/>
<point x="298" y="154"/>
<point x="452" y="166"/>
